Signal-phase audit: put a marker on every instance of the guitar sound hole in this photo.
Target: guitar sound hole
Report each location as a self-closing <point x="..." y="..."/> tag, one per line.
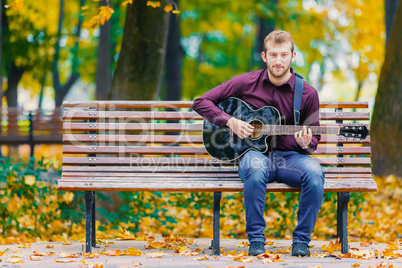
<point x="257" y="129"/>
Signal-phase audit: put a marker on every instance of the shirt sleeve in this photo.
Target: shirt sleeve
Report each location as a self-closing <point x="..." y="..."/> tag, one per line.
<point x="206" y="105"/>
<point x="310" y="117"/>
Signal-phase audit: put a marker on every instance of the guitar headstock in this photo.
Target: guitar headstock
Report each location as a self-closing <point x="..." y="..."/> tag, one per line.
<point x="354" y="131"/>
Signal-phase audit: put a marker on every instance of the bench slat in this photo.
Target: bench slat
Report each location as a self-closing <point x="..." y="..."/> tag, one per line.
<point x="181" y="115"/>
<point x="210" y="169"/>
<point x="113" y="127"/>
<point x="95" y="149"/>
<point x="189" y="175"/>
<point x="179" y="139"/>
<point x="180" y="104"/>
<point x="207" y="161"/>
<point x="177" y="184"/>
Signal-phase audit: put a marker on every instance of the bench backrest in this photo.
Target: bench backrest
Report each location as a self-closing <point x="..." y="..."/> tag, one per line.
<point x="157" y="145"/>
<point x="16" y="124"/>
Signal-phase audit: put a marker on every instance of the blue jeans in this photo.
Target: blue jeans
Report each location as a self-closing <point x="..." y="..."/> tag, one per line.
<point x="292" y="168"/>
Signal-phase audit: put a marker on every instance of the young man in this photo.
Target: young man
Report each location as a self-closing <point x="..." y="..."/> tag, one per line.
<point x="288" y="161"/>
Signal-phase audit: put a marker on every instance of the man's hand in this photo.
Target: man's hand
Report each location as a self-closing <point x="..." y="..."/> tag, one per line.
<point x="303" y="137"/>
<point x="240" y="128"/>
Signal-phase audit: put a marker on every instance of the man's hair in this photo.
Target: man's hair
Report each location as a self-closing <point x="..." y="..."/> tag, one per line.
<point x="278" y="37"/>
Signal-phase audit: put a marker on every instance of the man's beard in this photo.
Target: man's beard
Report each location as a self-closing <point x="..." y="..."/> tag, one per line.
<point x="281" y="74"/>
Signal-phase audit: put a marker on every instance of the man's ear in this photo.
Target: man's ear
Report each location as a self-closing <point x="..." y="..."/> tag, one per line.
<point x="264" y="59"/>
<point x="294" y="56"/>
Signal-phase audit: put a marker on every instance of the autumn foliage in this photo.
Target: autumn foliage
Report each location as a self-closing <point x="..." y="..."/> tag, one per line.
<point x="32" y="209"/>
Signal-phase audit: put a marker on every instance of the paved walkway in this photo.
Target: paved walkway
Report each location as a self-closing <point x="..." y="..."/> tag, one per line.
<point x="170" y="258"/>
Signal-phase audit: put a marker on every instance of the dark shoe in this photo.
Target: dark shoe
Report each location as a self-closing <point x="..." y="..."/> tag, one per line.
<point x="256" y="248"/>
<point x="300" y="249"/>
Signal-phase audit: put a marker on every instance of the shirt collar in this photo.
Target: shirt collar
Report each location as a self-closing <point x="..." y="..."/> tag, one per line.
<point x="290" y="82"/>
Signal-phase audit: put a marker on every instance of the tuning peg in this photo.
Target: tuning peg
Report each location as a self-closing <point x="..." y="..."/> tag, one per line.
<point x="348" y="124"/>
<point x="361" y="140"/>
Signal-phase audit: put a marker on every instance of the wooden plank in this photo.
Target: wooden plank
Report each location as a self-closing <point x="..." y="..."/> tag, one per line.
<point x="344" y="116"/>
<point x="178" y="139"/>
<point x="199" y="169"/>
<point x="96" y="184"/>
<point x="184" y="161"/>
<point x="187" y="175"/>
<point x="183" y="115"/>
<point x="113" y="127"/>
<point x="181" y="150"/>
<point x="132" y="127"/>
<point x="180" y="104"/>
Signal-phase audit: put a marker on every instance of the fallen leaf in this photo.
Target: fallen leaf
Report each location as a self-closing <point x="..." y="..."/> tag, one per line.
<point x="15" y="260"/>
<point x="158" y="254"/>
<point x="49" y="246"/>
<point x="67" y="243"/>
<point x="35" y="258"/>
<point x="63" y="260"/>
<point x="356" y="265"/>
<point x="205" y="258"/>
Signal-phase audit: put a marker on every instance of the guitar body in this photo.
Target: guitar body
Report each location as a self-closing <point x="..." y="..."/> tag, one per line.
<point x="221" y="143"/>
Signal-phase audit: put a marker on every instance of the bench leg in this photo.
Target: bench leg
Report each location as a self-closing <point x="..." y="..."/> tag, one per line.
<point x="89" y="220"/>
<point x="217" y="217"/>
<point x="342" y="221"/>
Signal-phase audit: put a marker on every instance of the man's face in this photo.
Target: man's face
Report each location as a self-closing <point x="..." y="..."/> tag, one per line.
<point x="278" y="58"/>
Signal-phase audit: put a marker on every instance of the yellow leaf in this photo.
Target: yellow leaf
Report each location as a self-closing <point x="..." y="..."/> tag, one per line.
<point x="24" y="245"/>
<point x="168" y="8"/>
<point x="63" y="261"/>
<point x="176" y="12"/>
<point x="127" y="2"/>
<point x="15" y="260"/>
<point x="67" y="243"/>
<point x="84" y="8"/>
<point x="154" y="4"/>
<point x="35" y="258"/>
<point x="49" y="246"/>
<point x="30" y="180"/>
<point x="158" y="254"/>
<point x="136" y="264"/>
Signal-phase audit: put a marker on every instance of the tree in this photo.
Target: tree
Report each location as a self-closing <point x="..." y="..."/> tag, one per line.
<point x="61" y="90"/>
<point x="386" y="126"/>
<point x="103" y="71"/>
<point x="139" y="68"/>
<point x="391" y="6"/>
<point x="173" y="60"/>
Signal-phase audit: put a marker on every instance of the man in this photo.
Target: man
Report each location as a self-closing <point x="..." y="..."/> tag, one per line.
<point x="288" y="162"/>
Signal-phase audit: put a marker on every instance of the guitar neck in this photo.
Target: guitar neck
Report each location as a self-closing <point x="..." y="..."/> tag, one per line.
<point x="290" y="130"/>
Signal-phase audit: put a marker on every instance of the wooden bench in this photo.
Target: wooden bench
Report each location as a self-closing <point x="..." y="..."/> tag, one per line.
<point x="30" y="127"/>
<point x="157" y="146"/>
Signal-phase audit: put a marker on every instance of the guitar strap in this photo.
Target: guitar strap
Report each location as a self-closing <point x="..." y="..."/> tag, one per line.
<point x="297" y="97"/>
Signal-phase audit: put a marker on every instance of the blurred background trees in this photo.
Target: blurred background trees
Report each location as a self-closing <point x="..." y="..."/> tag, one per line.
<point x="58" y="50"/>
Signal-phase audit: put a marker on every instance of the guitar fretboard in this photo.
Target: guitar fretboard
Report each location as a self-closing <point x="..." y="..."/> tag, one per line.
<point x="290" y="130"/>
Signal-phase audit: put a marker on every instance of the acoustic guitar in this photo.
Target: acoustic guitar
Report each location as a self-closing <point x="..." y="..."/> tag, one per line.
<point x="223" y="144"/>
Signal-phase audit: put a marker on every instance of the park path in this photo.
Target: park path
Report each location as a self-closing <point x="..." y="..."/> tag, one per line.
<point x="170" y="258"/>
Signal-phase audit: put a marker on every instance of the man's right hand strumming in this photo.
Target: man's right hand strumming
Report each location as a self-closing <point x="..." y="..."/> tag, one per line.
<point x="240" y="128"/>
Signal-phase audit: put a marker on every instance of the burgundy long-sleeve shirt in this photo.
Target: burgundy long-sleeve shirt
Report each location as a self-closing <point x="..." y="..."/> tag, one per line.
<point x="256" y="89"/>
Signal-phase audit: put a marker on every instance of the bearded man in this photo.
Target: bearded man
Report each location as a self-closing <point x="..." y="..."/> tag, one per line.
<point x="288" y="159"/>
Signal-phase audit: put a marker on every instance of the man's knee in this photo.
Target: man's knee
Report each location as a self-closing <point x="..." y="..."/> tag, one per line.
<point x="314" y="175"/>
<point x="254" y="166"/>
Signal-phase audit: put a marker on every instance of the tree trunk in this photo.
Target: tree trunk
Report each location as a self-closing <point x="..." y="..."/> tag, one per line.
<point x="391" y="6"/>
<point x="103" y="70"/>
<point x="265" y="27"/>
<point x="14" y="77"/>
<point x="386" y="126"/>
<point x="62" y="90"/>
<point x="139" y="68"/>
<point x="174" y="59"/>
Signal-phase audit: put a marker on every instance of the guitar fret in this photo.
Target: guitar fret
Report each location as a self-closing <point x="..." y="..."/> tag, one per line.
<point x="290" y="130"/>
